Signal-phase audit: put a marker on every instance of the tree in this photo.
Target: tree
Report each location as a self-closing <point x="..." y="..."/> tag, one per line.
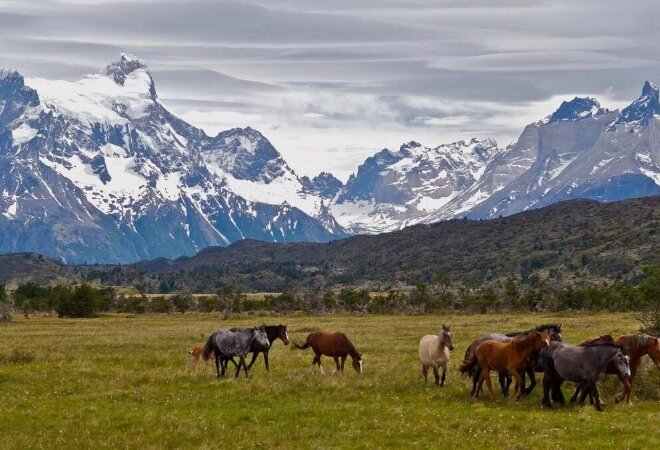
<point x="649" y="290"/>
<point x="5" y="306"/>
<point x="82" y="301"/>
<point x="31" y="297"/>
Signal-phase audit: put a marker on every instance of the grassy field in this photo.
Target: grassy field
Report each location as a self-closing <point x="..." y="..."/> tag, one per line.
<point x="123" y="382"/>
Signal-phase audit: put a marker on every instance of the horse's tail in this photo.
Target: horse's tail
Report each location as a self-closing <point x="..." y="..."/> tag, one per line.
<point x="469" y="361"/>
<point x="209" y="347"/>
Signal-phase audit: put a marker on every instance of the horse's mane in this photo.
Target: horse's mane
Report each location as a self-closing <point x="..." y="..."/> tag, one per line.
<point x="544" y="327"/>
<point x="605" y="339"/>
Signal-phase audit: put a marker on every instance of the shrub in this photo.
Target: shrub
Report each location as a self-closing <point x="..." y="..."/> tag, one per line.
<point x="5" y="306"/>
<point x="82" y="301"/>
<point x="182" y="302"/>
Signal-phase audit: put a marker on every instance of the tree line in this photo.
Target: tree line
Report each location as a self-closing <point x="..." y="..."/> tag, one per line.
<point x="439" y="295"/>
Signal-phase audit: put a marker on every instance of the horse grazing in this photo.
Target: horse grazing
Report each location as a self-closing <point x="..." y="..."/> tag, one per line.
<point x="581" y="365"/>
<point x="635" y="346"/>
<point x="434" y="353"/>
<point x="273" y="332"/>
<point x="511" y="357"/>
<point x="226" y="344"/>
<point x="554" y="331"/>
<point x="336" y="345"/>
<point x="196" y="353"/>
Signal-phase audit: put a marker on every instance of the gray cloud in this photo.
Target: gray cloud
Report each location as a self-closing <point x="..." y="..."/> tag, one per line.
<point x="348" y="80"/>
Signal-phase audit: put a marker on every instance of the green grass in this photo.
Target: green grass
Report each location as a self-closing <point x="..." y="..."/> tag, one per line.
<point x="124" y="382"/>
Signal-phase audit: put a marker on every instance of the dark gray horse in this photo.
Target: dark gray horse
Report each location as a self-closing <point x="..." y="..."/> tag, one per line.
<point x="505" y="379"/>
<point x="581" y="365"/>
<point x="226" y="344"/>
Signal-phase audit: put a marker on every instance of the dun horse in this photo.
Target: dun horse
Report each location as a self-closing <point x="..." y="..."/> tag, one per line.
<point x="434" y="353"/>
<point x="335" y="345"/>
<point x="511" y="357"/>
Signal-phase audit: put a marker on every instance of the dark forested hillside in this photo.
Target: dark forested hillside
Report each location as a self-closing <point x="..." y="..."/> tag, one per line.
<point x="562" y="243"/>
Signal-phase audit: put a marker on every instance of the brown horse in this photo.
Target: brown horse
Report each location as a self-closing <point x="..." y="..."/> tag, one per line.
<point x="512" y="357"/>
<point x="197" y="354"/>
<point x="335" y="345"/>
<point x="635" y="346"/>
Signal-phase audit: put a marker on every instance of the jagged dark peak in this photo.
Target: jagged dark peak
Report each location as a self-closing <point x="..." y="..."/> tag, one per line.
<point x="576" y="109"/>
<point x="15" y="96"/>
<point x="644" y="108"/>
<point x="324" y="184"/>
<point x="127" y="64"/>
<point x="11" y="77"/>
<point x="650" y="89"/>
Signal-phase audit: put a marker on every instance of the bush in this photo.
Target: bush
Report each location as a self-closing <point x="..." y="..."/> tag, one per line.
<point x="5" y="306"/>
<point x="30" y="298"/>
<point x="182" y="303"/>
<point x="82" y="301"/>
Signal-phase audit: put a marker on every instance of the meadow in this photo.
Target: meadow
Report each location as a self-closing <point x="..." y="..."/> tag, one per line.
<point x="122" y="381"/>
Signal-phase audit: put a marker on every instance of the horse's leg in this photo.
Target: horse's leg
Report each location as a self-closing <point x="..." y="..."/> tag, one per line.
<point x="575" y="394"/>
<point x="485" y="376"/>
<point x="596" y="396"/>
<point x="217" y="364"/>
<point x="254" y="358"/>
<point x="343" y="360"/>
<point x="505" y="381"/>
<point x="557" y="394"/>
<point x="476" y="375"/>
<point x="585" y="389"/>
<point x="241" y="361"/>
<point x="336" y="358"/>
<point x="519" y="388"/>
<point x="266" y="360"/>
<point x="532" y="379"/>
<point x="547" y="387"/>
<point x="444" y="375"/>
<point x="425" y="373"/>
<point x="436" y="375"/>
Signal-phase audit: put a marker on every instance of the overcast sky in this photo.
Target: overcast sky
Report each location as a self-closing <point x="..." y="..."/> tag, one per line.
<point x="332" y="85"/>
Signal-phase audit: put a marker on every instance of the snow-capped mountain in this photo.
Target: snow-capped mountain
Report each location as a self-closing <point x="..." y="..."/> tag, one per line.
<point x="394" y="189"/>
<point x="99" y="170"/>
<point x="581" y="151"/>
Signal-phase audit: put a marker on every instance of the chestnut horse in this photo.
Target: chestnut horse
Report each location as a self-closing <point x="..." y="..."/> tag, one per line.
<point x="512" y="357"/>
<point x="635" y="346"/>
<point x="335" y="345"/>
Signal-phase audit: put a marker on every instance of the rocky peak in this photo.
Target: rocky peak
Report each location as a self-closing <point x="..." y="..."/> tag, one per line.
<point x="127" y="64"/>
<point x="325" y="184"/>
<point x="576" y="109"/>
<point x="644" y="108"/>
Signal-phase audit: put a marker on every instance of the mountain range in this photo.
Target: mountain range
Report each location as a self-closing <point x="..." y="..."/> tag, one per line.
<point x="100" y="171"/>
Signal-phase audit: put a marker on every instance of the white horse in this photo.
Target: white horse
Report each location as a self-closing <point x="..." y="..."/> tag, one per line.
<point x="434" y="352"/>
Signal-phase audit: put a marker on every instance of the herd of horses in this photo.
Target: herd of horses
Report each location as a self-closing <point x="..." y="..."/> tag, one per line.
<point x="514" y="356"/>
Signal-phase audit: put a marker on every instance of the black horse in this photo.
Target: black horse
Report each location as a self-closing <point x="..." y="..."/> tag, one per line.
<point x="274" y="332"/>
<point x="504" y="377"/>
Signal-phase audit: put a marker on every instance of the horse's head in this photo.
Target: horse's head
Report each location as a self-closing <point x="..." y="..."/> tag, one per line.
<point x="357" y="363"/>
<point x="555" y="332"/>
<point x="446" y="337"/>
<point x="541" y="339"/>
<point x="654" y="350"/>
<point x="283" y="334"/>
<point x="622" y="363"/>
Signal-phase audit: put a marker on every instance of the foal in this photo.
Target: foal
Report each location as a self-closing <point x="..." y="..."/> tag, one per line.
<point x="434" y="353"/>
<point x="510" y="356"/>
<point x="336" y="345"/>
